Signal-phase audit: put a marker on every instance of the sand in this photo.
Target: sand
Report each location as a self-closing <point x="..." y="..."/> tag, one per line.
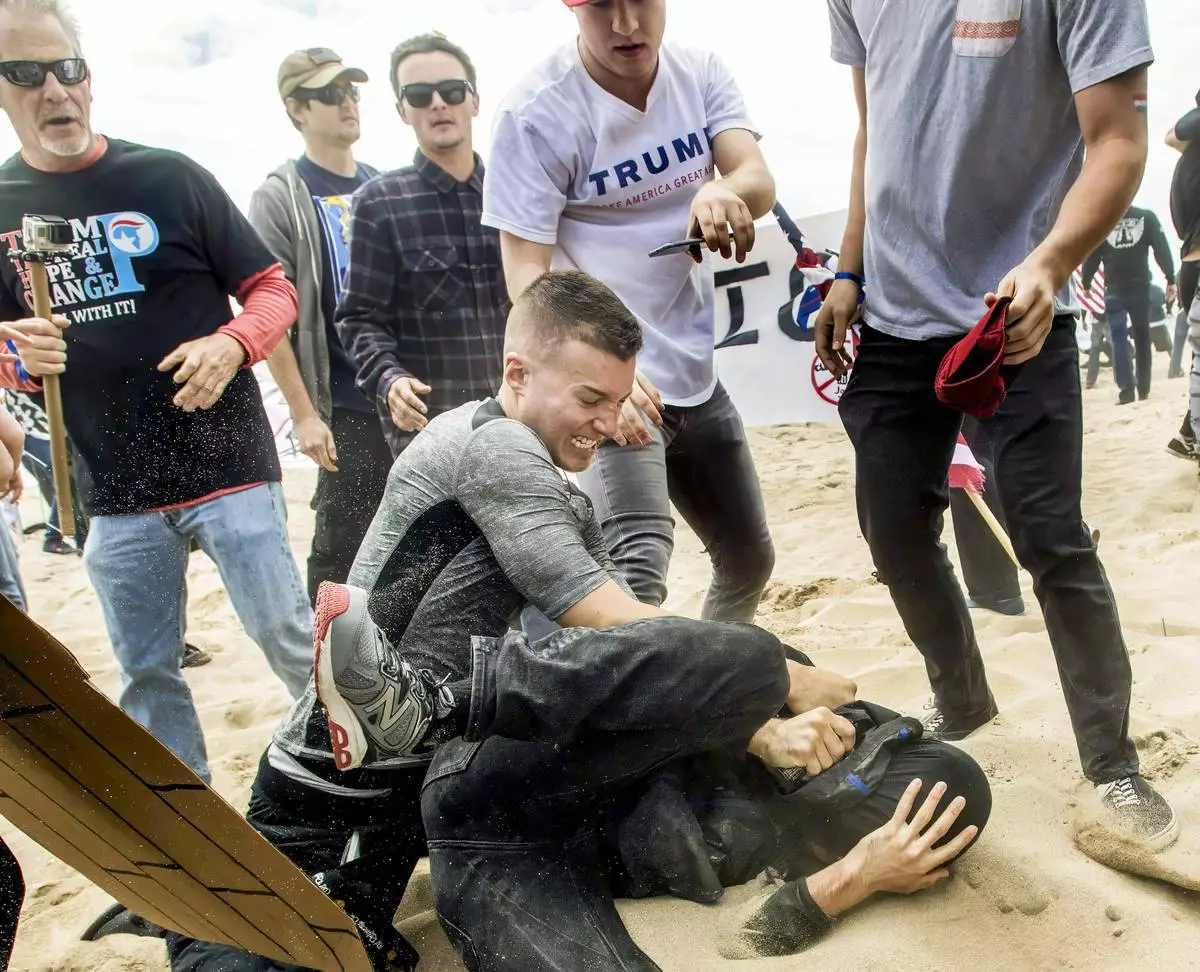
<point x="1026" y="897"/>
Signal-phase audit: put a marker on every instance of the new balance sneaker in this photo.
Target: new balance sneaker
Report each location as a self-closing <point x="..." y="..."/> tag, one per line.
<point x="380" y="708"/>
<point x="1140" y="811"/>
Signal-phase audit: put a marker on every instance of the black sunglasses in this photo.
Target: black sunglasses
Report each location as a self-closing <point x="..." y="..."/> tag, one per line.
<point x="420" y="95"/>
<point x="32" y="74"/>
<point x="331" y="94"/>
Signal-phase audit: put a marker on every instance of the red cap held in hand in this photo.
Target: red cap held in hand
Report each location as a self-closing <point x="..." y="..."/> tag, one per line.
<point x="973" y="377"/>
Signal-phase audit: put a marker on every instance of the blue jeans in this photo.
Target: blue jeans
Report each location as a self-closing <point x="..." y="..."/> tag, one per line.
<point x="1134" y="314"/>
<point x="138" y="566"/>
<point x="10" y="574"/>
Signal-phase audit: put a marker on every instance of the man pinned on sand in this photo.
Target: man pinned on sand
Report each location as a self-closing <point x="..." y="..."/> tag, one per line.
<point x="614" y="145"/>
<point x="423" y="311"/>
<point x="166" y="419"/>
<point x="973" y="122"/>
<point x="302" y="212"/>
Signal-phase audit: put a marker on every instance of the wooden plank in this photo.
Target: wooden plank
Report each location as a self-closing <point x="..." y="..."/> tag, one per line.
<point x="62" y="741"/>
<point x="16" y="691"/>
<point x="234" y="929"/>
<point x="171" y="912"/>
<point x="19" y="758"/>
<point x="42" y="660"/>
<point x="19" y="793"/>
<point x="79" y="858"/>
<point x="273" y="869"/>
<point x="293" y="933"/>
<point x="352" y="956"/>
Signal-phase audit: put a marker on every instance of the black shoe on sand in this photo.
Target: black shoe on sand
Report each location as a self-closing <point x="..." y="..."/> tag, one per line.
<point x="1140" y="811"/>
<point x="194" y="657"/>
<point x="938" y="726"/>
<point x="1182" y="448"/>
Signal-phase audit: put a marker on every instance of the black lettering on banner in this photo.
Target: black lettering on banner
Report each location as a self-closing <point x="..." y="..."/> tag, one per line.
<point x="737" y="303"/>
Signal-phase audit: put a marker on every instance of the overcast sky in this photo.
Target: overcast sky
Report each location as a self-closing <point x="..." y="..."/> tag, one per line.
<point x="200" y="76"/>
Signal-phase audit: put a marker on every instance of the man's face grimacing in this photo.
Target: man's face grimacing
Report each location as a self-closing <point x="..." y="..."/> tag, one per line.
<point x="571" y="396"/>
<point x="623" y="36"/>
<point x="329" y="123"/>
<point x="437" y="79"/>
<point x="53" y="119"/>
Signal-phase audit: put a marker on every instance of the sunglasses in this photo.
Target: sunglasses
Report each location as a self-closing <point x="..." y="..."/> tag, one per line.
<point x="420" y="95"/>
<point x="32" y="74"/>
<point x="331" y="94"/>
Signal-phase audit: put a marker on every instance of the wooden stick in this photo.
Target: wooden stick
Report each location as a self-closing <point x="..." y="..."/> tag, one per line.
<point x="994" y="525"/>
<point x="60" y="461"/>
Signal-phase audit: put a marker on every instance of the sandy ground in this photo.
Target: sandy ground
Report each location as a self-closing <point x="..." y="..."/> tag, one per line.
<point x="1026" y="897"/>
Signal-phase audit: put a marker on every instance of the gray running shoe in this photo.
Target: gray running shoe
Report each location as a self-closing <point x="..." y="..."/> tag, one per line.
<point x="380" y="709"/>
<point x="1140" y="811"/>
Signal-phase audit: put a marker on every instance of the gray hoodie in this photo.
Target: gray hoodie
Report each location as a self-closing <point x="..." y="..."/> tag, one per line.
<point x="281" y="210"/>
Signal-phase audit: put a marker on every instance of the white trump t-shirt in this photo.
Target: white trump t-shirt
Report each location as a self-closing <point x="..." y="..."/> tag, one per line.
<point x="575" y="167"/>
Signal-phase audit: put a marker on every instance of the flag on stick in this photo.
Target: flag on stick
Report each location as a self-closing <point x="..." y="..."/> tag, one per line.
<point x="967" y="474"/>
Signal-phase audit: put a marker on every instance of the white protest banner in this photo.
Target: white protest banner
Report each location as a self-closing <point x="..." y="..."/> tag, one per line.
<point x="765" y="354"/>
<point x="766" y="358"/>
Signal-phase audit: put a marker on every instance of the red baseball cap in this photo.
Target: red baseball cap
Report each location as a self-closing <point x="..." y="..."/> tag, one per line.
<point x="576" y="3"/>
<point x="973" y="377"/>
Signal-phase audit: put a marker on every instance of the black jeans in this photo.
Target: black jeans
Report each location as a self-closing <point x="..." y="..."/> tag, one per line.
<point x="312" y="828"/>
<point x="903" y="439"/>
<point x="574" y="722"/>
<point x="987" y="570"/>
<point x="346" y="501"/>
<point x="12" y="896"/>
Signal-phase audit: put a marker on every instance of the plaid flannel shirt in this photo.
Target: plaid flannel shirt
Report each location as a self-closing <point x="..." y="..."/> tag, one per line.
<point x="425" y="295"/>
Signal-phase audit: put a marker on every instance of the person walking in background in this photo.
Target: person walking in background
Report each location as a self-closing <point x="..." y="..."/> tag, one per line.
<point x="424" y="307"/>
<point x="1125" y="257"/>
<point x="302" y="212"/>
<point x="1184" y="137"/>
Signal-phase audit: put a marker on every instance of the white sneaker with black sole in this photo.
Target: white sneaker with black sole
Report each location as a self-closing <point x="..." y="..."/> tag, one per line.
<point x="1140" y="812"/>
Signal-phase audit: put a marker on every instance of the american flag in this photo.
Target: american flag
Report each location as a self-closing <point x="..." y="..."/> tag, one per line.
<point x="1090" y="300"/>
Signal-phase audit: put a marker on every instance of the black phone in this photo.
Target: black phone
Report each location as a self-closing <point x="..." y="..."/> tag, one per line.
<point x="692" y="243"/>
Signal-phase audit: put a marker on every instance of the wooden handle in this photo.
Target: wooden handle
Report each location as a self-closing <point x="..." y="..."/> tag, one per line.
<point x="994" y="525"/>
<point x="60" y="460"/>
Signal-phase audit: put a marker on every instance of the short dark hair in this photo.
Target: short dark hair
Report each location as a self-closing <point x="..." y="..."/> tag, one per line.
<point x="563" y="305"/>
<point x="428" y="44"/>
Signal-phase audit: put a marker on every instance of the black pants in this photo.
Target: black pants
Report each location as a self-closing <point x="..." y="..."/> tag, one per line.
<point x="12" y="896"/>
<point x="346" y="501"/>
<point x="313" y="828"/>
<point x="577" y="720"/>
<point x="903" y="439"/>
<point x="988" y="572"/>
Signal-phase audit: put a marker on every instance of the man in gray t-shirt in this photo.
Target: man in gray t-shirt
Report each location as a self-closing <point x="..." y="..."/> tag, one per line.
<point x="970" y="183"/>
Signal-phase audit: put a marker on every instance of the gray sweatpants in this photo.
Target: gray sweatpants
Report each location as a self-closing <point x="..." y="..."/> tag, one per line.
<point x="1194" y="380"/>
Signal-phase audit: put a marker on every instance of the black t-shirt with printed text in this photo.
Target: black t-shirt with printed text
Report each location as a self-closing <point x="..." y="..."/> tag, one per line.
<point x="159" y="249"/>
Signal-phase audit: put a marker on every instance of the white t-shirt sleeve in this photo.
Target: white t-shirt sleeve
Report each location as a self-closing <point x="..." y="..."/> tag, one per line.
<point x="525" y="190"/>
<point x="724" y="106"/>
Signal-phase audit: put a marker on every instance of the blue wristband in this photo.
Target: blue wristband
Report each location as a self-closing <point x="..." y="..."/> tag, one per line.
<point x="862" y="284"/>
<point x="22" y="374"/>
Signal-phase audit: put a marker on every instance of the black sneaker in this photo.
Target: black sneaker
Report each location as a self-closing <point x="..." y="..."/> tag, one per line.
<point x="1126" y="398"/>
<point x="194" y="657"/>
<point x="58" y="545"/>
<point x="1182" y="448"/>
<point x="1140" y="811"/>
<point x="936" y="725"/>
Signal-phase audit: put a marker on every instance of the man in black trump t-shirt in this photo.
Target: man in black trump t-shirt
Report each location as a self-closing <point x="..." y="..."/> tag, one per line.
<point x="172" y="439"/>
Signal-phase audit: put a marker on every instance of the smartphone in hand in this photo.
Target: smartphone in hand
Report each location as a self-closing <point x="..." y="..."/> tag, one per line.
<point x="693" y="244"/>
